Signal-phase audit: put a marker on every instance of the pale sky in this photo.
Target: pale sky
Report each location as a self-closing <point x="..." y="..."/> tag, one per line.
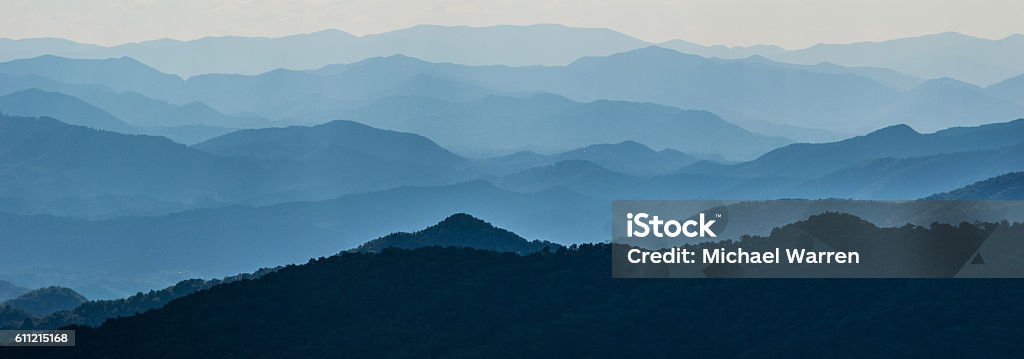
<point x="788" y="23"/>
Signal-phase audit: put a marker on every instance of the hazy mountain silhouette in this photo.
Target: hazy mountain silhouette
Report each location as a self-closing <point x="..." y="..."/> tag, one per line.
<point x="1011" y="89"/>
<point x="44" y="301"/>
<point x="945" y="102"/>
<point x="966" y="58"/>
<point x="459" y="230"/>
<point x="36" y="103"/>
<point x="119" y="74"/>
<point x="629" y="157"/>
<point x="544" y="44"/>
<point x="595" y="181"/>
<point x="909" y="178"/>
<point x="900" y="141"/>
<point x="741" y="91"/>
<point x="888" y="77"/>
<point x="59" y="168"/>
<point x="189" y="123"/>
<point x="105" y="259"/>
<point x="1009" y="186"/>
<point x="325" y="141"/>
<point x="550" y="123"/>
<point x="10" y="290"/>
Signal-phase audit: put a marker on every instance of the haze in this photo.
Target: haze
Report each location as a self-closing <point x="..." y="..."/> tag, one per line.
<point x="787" y="23"/>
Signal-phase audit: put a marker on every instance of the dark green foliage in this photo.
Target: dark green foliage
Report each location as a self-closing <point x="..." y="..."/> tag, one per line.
<point x="452" y="302"/>
<point x="459" y="230"/>
<point x="96" y="312"/>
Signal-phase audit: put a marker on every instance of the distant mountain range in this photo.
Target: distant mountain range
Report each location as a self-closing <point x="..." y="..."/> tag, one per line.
<point x="53" y="167"/>
<point x="1009" y="186"/>
<point x="190" y="123"/>
<point x="505" y="44"/>
<point x="549" y="123"/>
<point x="628" y="157"/>
<point x="892" y="163"/>
<point x="104" y="258"/>
<point x="37" y="103"/>
<point x="742" y="91"/>
<point x="975" y="60"/>
<point x="805" y="160"/>
<point x="966" y="58"/>
<point x="57" y="168"/>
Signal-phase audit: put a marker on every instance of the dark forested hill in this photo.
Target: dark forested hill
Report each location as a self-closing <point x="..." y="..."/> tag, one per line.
<point x="453" y="302"/>
<point x="44" y="301"/>
<point x="459" y="230"/>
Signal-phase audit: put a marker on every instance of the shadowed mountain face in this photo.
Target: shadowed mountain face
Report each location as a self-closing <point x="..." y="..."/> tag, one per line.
<point x="45" y="301"/>
<point x="459" y="230"/>
<point x="1005" y="187"/>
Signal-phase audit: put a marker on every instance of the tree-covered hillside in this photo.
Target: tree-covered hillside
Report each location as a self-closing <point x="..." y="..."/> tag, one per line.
<point x="452" y="302"/>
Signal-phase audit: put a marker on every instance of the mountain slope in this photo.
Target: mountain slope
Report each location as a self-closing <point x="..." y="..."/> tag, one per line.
<point x="456" y="302"/>
<point x="299" y="142"/>
<point x="37" y="103"/>
<point x="459" y="230"/>
<point x="9" y="290"/>
<point x="901" y="141"/>
<point x="119" y="74"/>
<point x="44" y="301"/>
<point x="44" y="160"/>
<point x="1009" y="186"/>
<point x="105" y="256"/>
<point x="916" y="177"/>
<point x="549" y="123"/>
<point x="53" y="167"/>
<point x="629" y="157"/>
<point x="1011" y="89"/>
<point x="966" y="58"/>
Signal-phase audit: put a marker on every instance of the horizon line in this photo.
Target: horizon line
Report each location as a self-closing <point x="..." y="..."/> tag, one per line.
<point x="276" y="37"/>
